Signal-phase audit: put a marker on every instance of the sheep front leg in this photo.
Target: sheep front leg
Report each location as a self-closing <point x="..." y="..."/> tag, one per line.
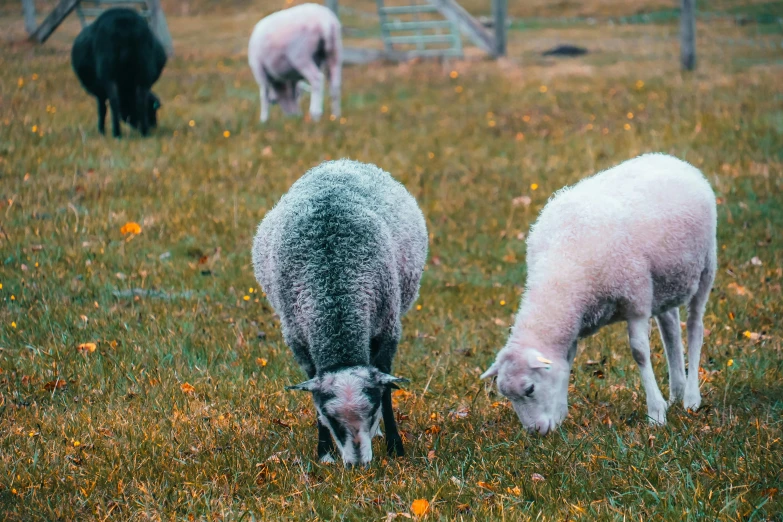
<point x="383" y="348"/>
<point x="114" y="102"/>
<point x="638" y="329"/>
<point x="102" y="115"/>
<point x="313" y="75"/>
<point x="264" y="91"/>
<point x="142" y="110"/>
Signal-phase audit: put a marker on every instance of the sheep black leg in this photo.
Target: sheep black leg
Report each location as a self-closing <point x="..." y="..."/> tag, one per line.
<point x="141" y="111"/>
<point x="102" y="115"/>
<point x="325" y="444"/>
<point x="114" y="102"/>
<point x="393" y="440"/>
<point x="382" y="350"/>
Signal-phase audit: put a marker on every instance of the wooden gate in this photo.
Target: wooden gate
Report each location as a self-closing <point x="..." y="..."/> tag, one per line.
<point x="419" y="30"/>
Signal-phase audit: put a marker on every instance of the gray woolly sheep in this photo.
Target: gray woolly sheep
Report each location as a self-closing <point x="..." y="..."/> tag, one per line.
<point x="340" y="258"/>
<point x="627" y="244"/>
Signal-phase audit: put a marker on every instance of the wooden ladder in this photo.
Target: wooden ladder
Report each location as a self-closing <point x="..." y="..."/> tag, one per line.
<point x="433" y="36"/>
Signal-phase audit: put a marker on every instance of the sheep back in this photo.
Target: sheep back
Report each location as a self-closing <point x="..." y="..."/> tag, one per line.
<point x="340" y="258"/>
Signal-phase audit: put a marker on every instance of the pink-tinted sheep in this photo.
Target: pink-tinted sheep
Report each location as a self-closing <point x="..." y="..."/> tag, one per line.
<point x="630" y="243"/>
<point x="292" y="45"/>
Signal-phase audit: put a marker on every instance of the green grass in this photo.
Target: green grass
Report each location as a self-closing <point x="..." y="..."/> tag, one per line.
<point x="123" y="440"/>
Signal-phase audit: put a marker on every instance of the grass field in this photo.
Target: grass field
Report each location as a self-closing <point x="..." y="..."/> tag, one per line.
<point x="180" y="411"/>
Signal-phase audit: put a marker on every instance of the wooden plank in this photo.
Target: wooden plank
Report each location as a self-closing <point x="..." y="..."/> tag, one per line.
<point x="360" y="56"/>
<point x="28" y="7"/>
<point x="469" y="26"/>
<point x="499" y="12"/>
<point x="159" y="26"/>
<point x="53" y="21"/>
<point x="422" y="39"/>
<point x="688" y="35"/>
<point x="95" y="12"/>
<point x="413" y="26"/>
<point x="408" y="9"/>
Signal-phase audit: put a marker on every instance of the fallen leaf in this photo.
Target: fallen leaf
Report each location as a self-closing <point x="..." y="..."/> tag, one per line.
<point x="131" y="227"/>
<point x="755" y="261"/>
<point x="87" y="347"/>
<point x="500" y="322"/>
<point x="420" y="506"/>
<point x="522" y="200"/>
<point x="57" y="384"/>
<point x="514" y="491"/>
<point x="535" y="477"/>
<point x="739" y="289"/>
<point x="484" y="485"/>
<point x="431" y="455"/>
<point x="187" y="387"/>
<point x="266" y="151"/>
<point x="261" y="361"/>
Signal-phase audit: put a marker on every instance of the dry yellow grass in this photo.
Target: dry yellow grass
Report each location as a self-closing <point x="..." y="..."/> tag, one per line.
<point x="179" y="410"/>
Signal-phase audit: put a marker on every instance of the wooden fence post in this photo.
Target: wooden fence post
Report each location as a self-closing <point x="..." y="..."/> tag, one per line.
<point x="159" y="25"/>
<point x="55" y="18"/>
<point x="688" y="35"/>
<point x="499" y="12"/>
<point x="28" y="6"/>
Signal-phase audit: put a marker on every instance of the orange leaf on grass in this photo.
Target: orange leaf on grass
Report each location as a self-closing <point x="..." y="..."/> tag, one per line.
<point x="420" y="506"/>
<point x="57" y="384"/>
<point x="87" y="347"/>
<point x="131" y="227"/>
<point x="739" y="289"/>
<point x="187" y="387"/>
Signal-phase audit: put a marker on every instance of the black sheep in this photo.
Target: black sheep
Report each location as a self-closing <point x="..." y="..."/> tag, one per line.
<point x="118" y="58"/>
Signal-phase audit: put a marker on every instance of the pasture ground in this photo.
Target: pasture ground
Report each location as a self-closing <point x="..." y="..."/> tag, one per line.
<point x="180" y="412"/>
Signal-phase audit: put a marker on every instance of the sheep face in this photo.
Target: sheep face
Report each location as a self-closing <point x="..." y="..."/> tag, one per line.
<point x="536" y="386"/>
<point x="286" y="94"/>
<point x="348" y="402"/>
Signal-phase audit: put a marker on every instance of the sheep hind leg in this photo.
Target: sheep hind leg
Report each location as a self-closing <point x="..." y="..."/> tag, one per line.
<point x="114" y="102"/>
<point x="695" y="327"/>
<point x="334" y="66"/>
<point x="669" y="328"/>
<point x="638" y="333"/>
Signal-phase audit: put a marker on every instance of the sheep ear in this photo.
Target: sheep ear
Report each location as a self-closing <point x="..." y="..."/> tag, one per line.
<point x="493" y="371"/>
<point x="309" y="386"/>
<point x="536" y="360"/>
<point x="384" y="379"/>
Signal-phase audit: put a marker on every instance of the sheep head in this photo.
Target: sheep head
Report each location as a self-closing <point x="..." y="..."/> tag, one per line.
<point x="348" y="402"/>
<point x="536" y="386"/>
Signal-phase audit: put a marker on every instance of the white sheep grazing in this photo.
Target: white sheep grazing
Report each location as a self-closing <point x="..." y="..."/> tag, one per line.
<point x="291" y="45"/>
<point x="340" y="258"/>
<point x="627" y="244"/>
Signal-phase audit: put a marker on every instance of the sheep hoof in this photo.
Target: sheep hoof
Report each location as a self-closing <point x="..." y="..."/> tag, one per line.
<point x="327" y="459"/>
<point x="657" y="415"/>
<point x="692" y="401"/>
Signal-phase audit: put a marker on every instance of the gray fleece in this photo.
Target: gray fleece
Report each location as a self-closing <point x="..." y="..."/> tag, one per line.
<point x="340" y="258"/>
